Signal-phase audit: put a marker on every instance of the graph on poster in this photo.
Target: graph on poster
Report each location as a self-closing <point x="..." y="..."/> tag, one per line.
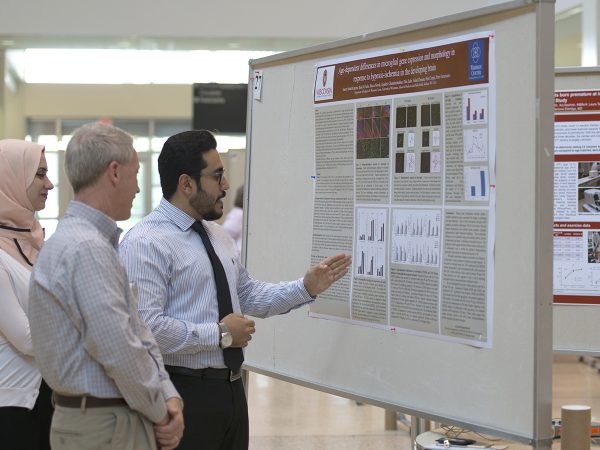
<point x="476" y="183"/>
<point x="371" y="224"/>
<point x="595" y="277"/>
<point x="569" y="277"/>
<point x="371" y="242"/>
<point x="371" y="260"/>
<point x="475" y="141"/>
<point x="475" y="105"/>
<point x="416" y="222"/>
<point x="411" y="252"/>
<point x="416" y="237"/>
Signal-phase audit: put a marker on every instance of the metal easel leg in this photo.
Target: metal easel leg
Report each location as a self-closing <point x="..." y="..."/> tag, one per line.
<point x="417" y="427"/>
<point x="414" y="430"/>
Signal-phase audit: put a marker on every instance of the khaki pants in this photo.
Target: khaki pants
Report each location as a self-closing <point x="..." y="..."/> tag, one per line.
<point x="107" y="428"/>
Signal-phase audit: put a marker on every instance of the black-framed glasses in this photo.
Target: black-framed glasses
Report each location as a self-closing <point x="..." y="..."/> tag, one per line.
<point x="217" y="176"/>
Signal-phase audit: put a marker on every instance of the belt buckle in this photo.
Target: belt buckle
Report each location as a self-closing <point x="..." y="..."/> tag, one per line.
<point x="233" y="376"/>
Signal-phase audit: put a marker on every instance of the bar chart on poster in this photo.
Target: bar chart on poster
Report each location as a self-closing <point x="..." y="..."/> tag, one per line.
<point x="416" y="237"/>
<point x="476" y="182"/>
<point x="475" y="107"/>
<point x="403" y="150"/>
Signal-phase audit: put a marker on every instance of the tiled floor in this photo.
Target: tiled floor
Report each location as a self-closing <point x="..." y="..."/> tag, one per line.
<point x="291" y="417"/>
<point x="285" y="416"/>
<point x="575" y="383"/>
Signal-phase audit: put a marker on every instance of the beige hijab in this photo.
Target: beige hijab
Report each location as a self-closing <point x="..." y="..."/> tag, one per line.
<point x="21" y="235"/>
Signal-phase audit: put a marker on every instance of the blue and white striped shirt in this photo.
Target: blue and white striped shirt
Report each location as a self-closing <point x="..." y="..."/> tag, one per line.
<point x="177" y="292"/>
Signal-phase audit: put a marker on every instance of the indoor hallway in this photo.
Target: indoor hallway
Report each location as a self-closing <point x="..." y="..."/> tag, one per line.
<point x="285" y="416"/>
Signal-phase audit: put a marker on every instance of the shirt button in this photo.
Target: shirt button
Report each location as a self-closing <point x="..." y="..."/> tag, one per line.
<point x="195" y="333"/>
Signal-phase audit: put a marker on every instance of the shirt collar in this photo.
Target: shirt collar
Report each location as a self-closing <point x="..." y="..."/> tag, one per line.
<point x="104" y="224"/>
<point x="183" y="220"/>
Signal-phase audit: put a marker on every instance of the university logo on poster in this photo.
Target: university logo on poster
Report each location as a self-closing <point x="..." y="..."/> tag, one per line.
<point x="324" y="83"/>
<point x="477" y="60"/>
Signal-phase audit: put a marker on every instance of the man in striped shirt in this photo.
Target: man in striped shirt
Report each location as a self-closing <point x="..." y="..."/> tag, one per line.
<point x="102" y="362"/>
<point x="179" y="291"/>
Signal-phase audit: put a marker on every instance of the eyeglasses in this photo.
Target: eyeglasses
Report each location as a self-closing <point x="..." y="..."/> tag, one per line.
<point x="217" y="176"/>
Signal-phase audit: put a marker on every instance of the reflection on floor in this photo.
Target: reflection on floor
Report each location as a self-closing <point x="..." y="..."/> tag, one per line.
<point x="575" y="383"/>
<point x="285" y="416"/>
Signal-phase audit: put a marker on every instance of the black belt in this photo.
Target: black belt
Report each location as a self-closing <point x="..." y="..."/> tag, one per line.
<point x="208" y="373"/>
<point x="86" y="401"/>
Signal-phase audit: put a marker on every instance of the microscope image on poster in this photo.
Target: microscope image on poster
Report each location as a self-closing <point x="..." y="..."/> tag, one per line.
<point x="588" y="183"/>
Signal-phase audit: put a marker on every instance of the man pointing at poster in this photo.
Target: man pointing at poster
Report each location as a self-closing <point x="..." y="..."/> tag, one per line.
<point x="194" y="292"/>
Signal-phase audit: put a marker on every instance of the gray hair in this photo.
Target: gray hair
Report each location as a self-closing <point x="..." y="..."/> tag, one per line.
<point x="91" y="149"/>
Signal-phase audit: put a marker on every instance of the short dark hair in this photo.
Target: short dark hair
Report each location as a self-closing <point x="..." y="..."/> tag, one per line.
<point x="183" y="153"/>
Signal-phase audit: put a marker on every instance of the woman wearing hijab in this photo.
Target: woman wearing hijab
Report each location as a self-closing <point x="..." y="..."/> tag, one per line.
<point x="25" y="406"/>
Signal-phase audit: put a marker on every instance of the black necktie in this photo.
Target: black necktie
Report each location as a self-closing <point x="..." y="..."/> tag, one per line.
<point x="233" y="356"/>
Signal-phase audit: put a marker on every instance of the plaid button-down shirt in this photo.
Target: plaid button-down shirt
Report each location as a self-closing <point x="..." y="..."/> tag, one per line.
<point x="87" y="335"/>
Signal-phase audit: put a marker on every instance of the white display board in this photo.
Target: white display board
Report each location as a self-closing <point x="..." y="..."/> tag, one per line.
<point x="504" y="388"/>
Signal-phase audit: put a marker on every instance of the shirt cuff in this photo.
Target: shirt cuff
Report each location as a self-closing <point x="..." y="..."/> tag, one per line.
<point x="169" y="391"/>
<point x="207" y="336"/>
<point x="159" y="411"/>
<point x="307" y="297"/>
<point x="216" y="335"/>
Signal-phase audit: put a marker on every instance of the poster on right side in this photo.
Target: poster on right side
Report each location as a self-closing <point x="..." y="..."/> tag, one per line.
<point x="577" y="197"/>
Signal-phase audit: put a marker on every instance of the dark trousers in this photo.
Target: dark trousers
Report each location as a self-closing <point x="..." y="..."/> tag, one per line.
<point x="24" y="429"/>
<point x="215" y="413"/>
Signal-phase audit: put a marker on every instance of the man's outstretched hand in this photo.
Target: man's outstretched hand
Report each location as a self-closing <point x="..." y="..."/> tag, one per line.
<point x="319" y="277"/>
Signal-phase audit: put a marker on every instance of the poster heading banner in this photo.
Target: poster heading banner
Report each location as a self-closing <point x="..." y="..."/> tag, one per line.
<point x="449" y="65"/>
<point x="573" y="101"/>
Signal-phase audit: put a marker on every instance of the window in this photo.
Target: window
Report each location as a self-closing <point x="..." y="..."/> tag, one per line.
<point x="149" y="137"/>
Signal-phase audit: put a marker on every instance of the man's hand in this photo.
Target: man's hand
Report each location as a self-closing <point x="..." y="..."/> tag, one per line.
<point x="241" y="329"/>
<point x="320" y="277"/>
<point x="168" y="431"/>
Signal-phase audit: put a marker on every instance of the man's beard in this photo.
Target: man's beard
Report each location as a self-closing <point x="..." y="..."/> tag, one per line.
<point x="199" y="203"/>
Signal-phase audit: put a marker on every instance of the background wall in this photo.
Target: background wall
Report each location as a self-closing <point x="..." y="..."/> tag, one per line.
<point x="14" y="123"/>
<point x="233" y="18"/>
<point x="121" y="100"/>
